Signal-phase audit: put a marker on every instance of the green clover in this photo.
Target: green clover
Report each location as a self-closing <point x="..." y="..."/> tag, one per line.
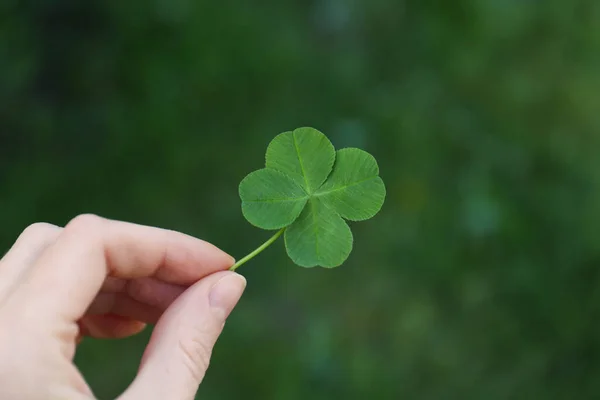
<point x="306" y="190"/>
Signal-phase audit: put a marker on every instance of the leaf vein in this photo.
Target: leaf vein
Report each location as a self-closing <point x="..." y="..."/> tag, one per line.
<point x="316" y="231"/>
<point x="301" y="162"/>
<point x="276" y="200"/>
<point x="345" y="186"/>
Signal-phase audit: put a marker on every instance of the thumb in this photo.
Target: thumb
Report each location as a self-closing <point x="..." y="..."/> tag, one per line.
<point x="180" y="347"/>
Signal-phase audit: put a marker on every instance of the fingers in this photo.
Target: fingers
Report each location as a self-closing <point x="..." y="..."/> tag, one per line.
<point x="30" y="244"/>
<point x="69" y="274"/>
<point x="179" y="351"/>
<point x="124" y="306"/>
<point x="109" y="326"/>
<point x="145" y="290"/>
<point x="143" y="299"/>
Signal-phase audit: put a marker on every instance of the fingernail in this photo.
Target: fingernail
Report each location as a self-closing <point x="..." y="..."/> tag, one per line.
<point x="225" y="294"/>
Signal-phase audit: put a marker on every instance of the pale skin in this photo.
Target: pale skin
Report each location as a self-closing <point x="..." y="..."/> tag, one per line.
<point x="108" y="279"/>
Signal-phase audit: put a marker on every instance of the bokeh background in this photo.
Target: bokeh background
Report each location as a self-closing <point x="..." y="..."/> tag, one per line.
<point x="479" y="279"/>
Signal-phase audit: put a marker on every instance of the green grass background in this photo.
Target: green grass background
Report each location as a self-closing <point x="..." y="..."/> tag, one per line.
<point x="479" y="279"/>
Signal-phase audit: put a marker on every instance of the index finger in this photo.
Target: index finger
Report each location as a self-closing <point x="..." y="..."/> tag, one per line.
<point x="69" y="274"/>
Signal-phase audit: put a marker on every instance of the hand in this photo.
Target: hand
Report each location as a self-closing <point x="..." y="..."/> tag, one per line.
<point x="108" y="279"/>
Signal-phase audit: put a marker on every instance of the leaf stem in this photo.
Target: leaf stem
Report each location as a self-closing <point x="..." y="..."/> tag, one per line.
<point x="258" y="250"/>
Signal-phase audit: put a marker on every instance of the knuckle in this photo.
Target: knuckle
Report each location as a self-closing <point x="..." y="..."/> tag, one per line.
<point x="141" y="290"/>
<point x="39" y="229"/>
<point x="85" y="222"/>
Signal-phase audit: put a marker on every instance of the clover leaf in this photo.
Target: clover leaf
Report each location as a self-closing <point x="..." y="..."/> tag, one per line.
<point x="306" y="190"/>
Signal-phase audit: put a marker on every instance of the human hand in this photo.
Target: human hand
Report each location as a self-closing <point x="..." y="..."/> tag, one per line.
<point x="108" y="279"/>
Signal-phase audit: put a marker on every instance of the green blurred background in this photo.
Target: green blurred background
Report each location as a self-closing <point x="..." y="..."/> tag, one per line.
<point x="479" y="279"/>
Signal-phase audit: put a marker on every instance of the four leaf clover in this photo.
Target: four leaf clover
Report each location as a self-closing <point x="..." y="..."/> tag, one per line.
<point x="307" y="189"/>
